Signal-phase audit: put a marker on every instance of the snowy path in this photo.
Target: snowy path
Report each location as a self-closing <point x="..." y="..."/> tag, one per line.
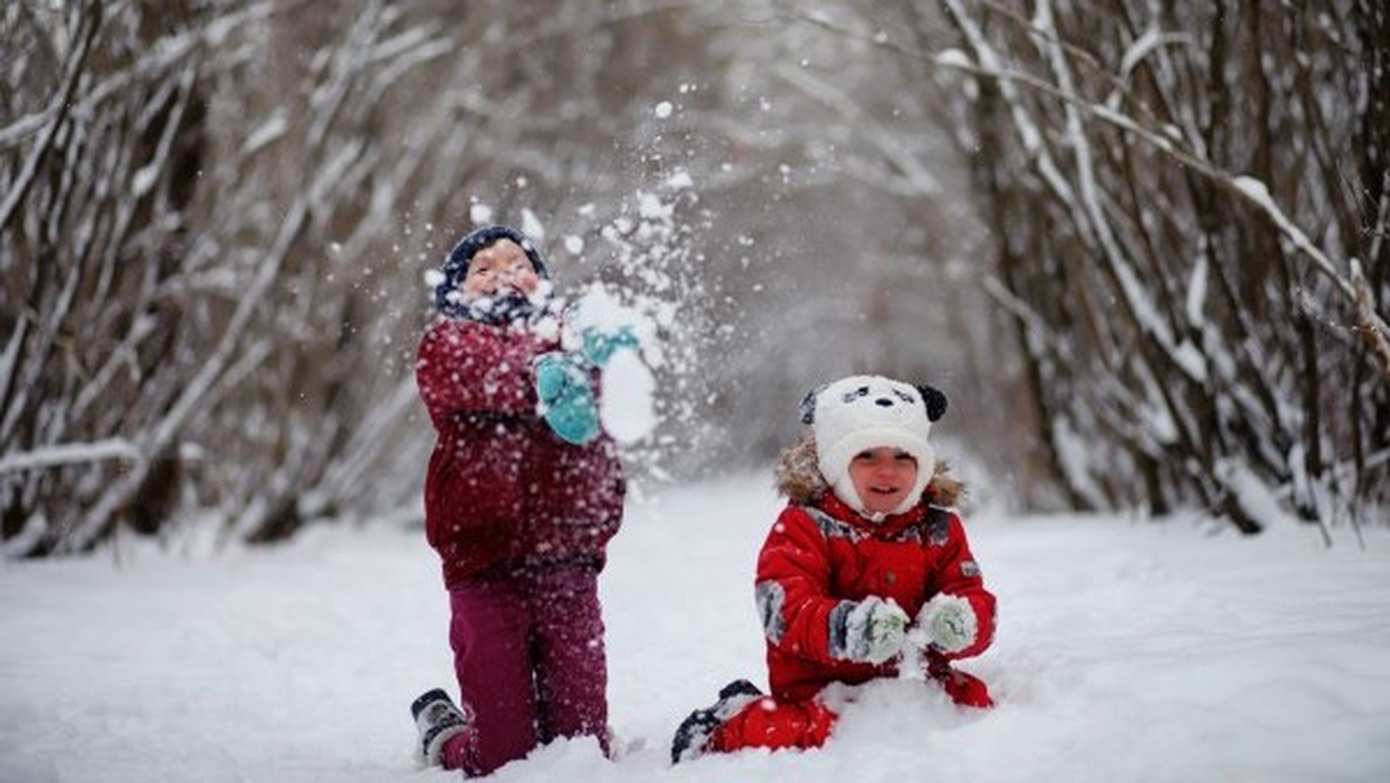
<point x="1125" y="652"/>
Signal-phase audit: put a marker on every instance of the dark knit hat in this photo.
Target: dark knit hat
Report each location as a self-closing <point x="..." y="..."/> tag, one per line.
<point x="455" y="267"/>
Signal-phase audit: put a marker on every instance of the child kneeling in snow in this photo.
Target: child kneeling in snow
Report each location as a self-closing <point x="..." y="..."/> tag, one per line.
<point x="522" y="494"/>
<point x="864" y="565"/>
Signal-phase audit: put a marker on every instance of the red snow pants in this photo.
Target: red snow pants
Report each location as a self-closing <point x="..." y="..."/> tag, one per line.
<point x="967" y="690"/>
<point x="772" y="724"/>
<point x="528" y="652"/>
<point x="768" y="723"/>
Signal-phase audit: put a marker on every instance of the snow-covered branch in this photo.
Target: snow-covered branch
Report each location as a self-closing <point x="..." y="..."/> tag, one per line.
<point x="987" y="62"/>
<point x="70" y="453"/>
<point x="90" y="15"/>
<point x="1235" y="402"/>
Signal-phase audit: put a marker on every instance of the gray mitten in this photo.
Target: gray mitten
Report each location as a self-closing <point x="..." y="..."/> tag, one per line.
<point x="948" y="622"/>
<point x="874" y="630"/>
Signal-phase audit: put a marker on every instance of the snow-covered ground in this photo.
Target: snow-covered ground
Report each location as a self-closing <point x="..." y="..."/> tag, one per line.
<point x="1126" y="651"/>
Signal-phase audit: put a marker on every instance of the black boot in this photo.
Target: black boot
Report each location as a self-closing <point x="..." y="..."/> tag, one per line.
<point x="694" y="732"/>
<point x="438" y="721"/>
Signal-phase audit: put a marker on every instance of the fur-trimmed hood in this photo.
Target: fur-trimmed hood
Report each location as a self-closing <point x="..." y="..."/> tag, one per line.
<point x="799" y="478"/>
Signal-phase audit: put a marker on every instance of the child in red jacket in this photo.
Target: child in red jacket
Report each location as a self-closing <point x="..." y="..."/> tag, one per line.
<point x="522" y="494"/>
<point x="864" y="566"/>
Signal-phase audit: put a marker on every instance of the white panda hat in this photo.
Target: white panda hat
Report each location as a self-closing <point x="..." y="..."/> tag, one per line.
<point x="865" y="412"/>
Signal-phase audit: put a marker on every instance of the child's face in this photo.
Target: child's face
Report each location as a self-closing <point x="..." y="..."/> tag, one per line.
<point x="501" y="265"/>
<point x="883" y="477"/>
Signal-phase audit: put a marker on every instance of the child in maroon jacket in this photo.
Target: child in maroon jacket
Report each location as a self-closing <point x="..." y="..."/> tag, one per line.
<point x="865" y="565"/>
<point x="522" y="494"/>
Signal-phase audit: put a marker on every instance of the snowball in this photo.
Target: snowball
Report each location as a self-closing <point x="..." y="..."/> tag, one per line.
<point x="574" y="244"/>
<point x="663" y="109"/>
<point x="434" y="278"/>
<point x="480" y="214"/>
<point x="626" y="406"/>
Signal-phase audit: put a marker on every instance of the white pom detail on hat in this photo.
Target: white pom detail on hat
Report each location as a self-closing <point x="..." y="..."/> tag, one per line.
<point x="864" y="412"/>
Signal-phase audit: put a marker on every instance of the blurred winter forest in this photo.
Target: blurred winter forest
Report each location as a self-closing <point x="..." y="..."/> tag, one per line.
<point x="1142" y="244"/>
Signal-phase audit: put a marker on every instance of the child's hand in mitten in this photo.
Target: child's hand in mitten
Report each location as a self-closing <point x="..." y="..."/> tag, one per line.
<point x="948" y="623"/>
<point x="875" y="630"/>
<point x="599" y="345"/>
<point x="567" y="398"/>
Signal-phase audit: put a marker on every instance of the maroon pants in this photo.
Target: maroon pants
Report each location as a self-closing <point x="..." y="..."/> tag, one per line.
<point x="528" y="651"/>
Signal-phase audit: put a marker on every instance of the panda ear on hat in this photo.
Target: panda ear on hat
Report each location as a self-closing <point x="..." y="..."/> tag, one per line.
<point x="808" y="404"/>
<point x="935" y="400"/>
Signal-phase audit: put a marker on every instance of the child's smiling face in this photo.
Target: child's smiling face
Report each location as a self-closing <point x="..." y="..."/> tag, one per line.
<point x="883" y="477"/>
<point x="499" y="266"/>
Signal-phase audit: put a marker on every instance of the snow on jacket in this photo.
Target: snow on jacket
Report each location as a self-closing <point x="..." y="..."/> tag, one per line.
<point x="821" y="556"/>
<point x="501" y="487"/>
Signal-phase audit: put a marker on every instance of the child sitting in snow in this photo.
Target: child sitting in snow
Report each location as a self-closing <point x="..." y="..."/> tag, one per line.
<point x="864" y="565"/>
<point x="522" y="494"/>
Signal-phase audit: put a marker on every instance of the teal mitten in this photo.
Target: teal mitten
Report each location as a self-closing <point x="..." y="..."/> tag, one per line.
<point x="600" y="345"/>
<point x="567" y="398"/>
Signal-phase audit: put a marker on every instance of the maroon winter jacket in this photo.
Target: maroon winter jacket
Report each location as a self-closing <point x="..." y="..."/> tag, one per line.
<point x="501" y="487"/>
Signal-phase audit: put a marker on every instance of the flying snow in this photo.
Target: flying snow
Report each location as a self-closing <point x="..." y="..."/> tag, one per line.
<point x="480" y="214"/>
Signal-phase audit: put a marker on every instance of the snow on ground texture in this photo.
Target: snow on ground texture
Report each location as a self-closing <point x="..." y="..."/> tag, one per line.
<point x="1125" y="652"/>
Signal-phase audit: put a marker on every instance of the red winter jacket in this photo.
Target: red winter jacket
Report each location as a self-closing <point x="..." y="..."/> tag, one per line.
<point x="501" y="487"/>
<point x="821" y="554"/>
